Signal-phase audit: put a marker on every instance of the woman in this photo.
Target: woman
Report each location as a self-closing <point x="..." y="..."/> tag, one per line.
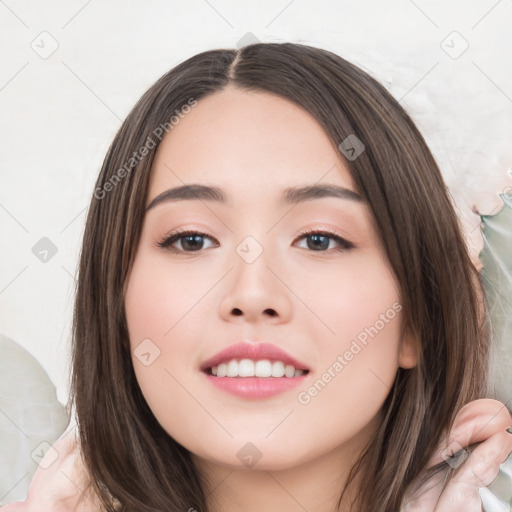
<point x="275" y="307"/>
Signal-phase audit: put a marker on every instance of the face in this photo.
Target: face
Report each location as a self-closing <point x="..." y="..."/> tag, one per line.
<point x="281" y="279"/>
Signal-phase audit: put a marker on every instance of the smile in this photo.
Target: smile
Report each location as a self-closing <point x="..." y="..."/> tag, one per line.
<point x="261" y="368"/>
<point x="254" y="370"/>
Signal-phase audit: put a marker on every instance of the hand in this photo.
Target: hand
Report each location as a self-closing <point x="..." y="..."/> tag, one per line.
<point x="482" y="421"/>
<point x="63" y="486"/>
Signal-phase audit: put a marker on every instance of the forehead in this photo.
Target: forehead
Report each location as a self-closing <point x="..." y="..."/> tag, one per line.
<point x="247" y="141"/>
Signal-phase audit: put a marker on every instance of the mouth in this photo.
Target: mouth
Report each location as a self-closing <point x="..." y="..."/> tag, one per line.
<point x="261" y="368"/>
<point x="254" y="370"/>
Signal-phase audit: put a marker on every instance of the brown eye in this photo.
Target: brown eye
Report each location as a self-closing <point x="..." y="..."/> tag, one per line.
<point x="319" y="241"/>
<point x="191" y="241"/>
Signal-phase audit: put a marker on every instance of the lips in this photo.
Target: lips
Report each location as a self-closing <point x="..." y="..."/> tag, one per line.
<point x="255" y="352"/>
<point x="235" y="378"/>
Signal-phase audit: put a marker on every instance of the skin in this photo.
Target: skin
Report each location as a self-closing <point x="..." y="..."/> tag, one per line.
<point x="253" y="145"/>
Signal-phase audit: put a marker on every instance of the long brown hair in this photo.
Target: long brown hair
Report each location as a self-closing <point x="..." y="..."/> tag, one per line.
<point x="124" y="447"/>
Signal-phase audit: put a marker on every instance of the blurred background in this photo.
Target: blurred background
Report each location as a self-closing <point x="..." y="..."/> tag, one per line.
<point x="71" y="72"/>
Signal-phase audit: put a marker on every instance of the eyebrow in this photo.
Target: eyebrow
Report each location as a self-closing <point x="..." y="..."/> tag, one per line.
<point x="291" y="195"/>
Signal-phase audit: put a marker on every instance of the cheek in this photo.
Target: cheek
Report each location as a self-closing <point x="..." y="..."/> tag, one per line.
<point x="358" y="349"/>
<point x="158" y="300"/>
<point x="359" y="303"/>
<point x="358" y="364"/>
<point x="163" y="316"/>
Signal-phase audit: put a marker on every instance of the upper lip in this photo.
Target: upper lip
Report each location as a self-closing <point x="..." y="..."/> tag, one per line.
<point x="254" y="351"/>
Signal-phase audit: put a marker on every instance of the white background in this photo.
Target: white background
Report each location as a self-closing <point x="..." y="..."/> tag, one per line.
<point x="60" y="113"/>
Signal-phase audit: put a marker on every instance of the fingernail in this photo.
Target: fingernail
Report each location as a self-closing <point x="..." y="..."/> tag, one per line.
<point x="509" y="430"/>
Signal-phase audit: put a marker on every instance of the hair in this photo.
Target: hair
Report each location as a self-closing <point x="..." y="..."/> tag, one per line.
<point x="126" y="451"/>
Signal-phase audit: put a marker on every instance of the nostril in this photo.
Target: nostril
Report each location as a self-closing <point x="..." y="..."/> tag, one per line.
<point x="237" y="311"/>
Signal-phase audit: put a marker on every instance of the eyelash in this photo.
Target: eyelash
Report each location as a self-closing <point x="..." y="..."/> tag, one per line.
<point x="166" y="243"/>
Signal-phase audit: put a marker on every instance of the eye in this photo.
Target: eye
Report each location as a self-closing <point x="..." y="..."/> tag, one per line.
<point x="191" y="241"/>
<point x="319" y="241"/>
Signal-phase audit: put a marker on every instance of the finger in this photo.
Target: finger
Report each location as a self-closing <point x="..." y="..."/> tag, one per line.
<point x="475" y="422"/>
<point x="483" y="418"/>
<point x="479" y="470"/>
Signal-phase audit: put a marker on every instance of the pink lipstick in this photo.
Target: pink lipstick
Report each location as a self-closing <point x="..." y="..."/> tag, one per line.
<point x="254" y="370"/>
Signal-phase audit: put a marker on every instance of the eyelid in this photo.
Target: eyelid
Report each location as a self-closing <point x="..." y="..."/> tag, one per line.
<point x="331" y="233"/>
<point x="175" y="235"/>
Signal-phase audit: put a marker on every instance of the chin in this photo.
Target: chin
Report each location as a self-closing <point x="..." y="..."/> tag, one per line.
<point x="254" y="455"/>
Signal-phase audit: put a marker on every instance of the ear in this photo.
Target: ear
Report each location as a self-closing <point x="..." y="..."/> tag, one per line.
<point x="408" y="351"/>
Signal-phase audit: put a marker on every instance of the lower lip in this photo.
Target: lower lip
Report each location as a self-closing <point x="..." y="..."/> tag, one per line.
<point x="255" y="387"/>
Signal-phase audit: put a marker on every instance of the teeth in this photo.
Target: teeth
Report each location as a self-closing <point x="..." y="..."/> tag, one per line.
<point x="221" y="370"/>
<point x="261" y="368"/>
<point x="246" y="368"/>
<point x="277" y="369"/>
<point x="289" y="370"/>
<point x="232" y="369"/>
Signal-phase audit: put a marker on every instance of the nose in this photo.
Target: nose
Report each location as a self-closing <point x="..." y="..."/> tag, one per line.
<point x="255" y="292"/>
